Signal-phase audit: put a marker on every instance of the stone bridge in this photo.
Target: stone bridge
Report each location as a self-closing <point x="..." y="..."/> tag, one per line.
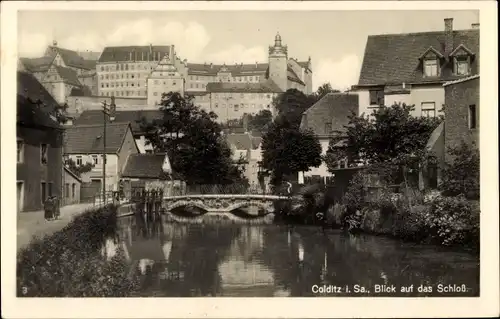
<point x="222" y="203"/>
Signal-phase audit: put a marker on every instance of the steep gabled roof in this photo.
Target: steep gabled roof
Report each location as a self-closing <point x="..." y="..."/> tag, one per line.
<point x="263" y="87"/>
<point x="461" y="47"/>
<point x="88" y="139"/>
<point x="333" y="108"/>
<point x="68" y="75"/>
<point x="37" y="64"/>
<point x="34" y="103"/>
<point x="394" y="58"/>
<point x="145" y="166"/>
<point x="71" y="58"/>
<point x="90" y="117"/>
<point x="139" y="53"/>
<point x="433" y="50"/>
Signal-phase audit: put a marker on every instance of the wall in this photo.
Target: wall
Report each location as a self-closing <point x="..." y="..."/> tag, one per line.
<point x="251" y="103"/>
<point x="96" y="172"/>
<point x="159" y="85"/>
<point x="418" y="94"/>
<point x="71" y="189"/>
<point x="128" y="147"/>
<point x="90" y="81"/>
<point x="322" y="170"/>
<point x="78" y="104"/>
<point x="458" y="98"/>
<point x="32" y="172"/>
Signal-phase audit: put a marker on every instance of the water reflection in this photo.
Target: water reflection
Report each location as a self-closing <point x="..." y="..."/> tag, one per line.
<point x="265" y="261"/>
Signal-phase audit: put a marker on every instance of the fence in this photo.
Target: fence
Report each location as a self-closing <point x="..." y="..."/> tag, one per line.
<point x="222" y="189"/>
<point x="147" y="204"/>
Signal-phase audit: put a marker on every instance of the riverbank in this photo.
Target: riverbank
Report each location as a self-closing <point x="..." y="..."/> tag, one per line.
<point x="46" y="267"/>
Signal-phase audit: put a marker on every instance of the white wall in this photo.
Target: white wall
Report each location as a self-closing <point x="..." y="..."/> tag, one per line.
<point x="141" y="145"/>
<point x="96" y="172"/>
<point x="417" y="96"/>
<point x="322" y="170"/>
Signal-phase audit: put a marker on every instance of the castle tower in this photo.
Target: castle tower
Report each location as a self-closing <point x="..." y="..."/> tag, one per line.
<point x="278" y="58"/>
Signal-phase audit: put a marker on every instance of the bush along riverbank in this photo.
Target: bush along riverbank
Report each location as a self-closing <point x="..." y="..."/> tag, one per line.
<point x="71" y="263"/>
<point x="411" y="216"/>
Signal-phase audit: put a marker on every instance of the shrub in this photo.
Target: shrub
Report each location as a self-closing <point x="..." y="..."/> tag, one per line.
<point x="452" y="221"/>
<point x="69" y="262"/>
<point x="461" y="176"/>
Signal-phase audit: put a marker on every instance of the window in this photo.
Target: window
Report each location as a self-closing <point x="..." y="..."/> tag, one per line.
<point x="328" y="127"/>
<point x="428" y="109"/>
<point x="431" y="67"/>
<point x="462" y="65"/>
<point x="73" y="189"/>
<point x="79" y="160"/>
<point x="43" y="153"/>
<point x="20" y="151"/>
<point x="43" y="191"/>
<point x="95" y="159"/>
<point x="66" y="190"/>
<point x="472" y="117"/>
<point x="377" y="97"/>
<point x="216" y="105"/>
<point x="236" y="107"/>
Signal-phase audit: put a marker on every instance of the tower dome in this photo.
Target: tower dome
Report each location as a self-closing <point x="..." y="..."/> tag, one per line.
<point x="277" y="40"/>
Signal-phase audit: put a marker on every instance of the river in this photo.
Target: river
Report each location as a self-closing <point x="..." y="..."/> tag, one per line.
<point x="182" y="260"/>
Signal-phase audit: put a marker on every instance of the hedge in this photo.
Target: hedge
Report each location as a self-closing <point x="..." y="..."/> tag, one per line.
<point x="69" y="263"/>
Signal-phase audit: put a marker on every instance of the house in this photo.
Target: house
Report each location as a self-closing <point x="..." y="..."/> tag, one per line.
<point x="39" y="145"/>
<point x="461" y="112"/>
<point x="411" y="68"/>
<point x="328" y="115"/>
<point x="133" y="117"/>
<point x="84" y="144"/>
<point x="60" y="81"/>
<point x="246" y="150"/>
<point x="72" y="187"/>
<point x="150" y="171"/>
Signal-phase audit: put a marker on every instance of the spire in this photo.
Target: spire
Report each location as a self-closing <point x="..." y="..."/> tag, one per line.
<point x="277" y="40"/>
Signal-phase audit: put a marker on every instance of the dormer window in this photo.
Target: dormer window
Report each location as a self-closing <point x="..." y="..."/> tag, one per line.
<point x="462" y="57"/>
<point x="462" y="65"/>
<point x="431" y="67"/>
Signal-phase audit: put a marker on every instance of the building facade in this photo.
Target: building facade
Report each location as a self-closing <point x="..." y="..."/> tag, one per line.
<point x="411" y="68"/>
<point x="246" y="150"/>
<point x="461" y="113"/>
<point x="61" y="71"/>
<point x="39" y="145"/>
<point x="328" y="115"/>
<point x="84" y="144"/>
<point x="72" y="187"/>
<point x="227" y="90"/>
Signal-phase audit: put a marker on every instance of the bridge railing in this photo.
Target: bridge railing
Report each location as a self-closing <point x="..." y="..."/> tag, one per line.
<point x="223" y="189"/>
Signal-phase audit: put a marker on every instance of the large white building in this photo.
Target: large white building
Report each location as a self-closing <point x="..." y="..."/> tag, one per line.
<point x="228" y="90"/>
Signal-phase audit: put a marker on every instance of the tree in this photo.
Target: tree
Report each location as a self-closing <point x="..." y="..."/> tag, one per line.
<point x="192" y="139"/>
<point x="291" y="104"/>
<point x="392" y="139"/>
<point x="461" y="176"/>
<point x="260" y="121"/>
<point x="324" y="89"/>
<point x="78" y="170"/>
<point x="287" y="150"/>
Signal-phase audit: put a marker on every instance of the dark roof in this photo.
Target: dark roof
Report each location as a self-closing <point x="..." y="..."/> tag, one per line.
<point x="89" y="55"/>
<point x="292" y="76"/>
<point x="72" y="174"/>
<point x="37" y="64"/>
<point x="243" y="141"/>
<point x="263" y="87"/>
<point x="34" y="103"/>
<point x="394" y="58"/>
<point x="144" y="166"/>
<point x="333" y="108"/>
<point x="71" y="58"/>
<point x="68" y="75"/>
<point x="139" y="53"/>
<point x="90" y="117"/>
<point x="235" y="69"/>
<point x="81" y="91"/>
<point x="88" y="139"/>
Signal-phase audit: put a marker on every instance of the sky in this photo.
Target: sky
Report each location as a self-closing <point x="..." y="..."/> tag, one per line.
<point x="335" y="40"/>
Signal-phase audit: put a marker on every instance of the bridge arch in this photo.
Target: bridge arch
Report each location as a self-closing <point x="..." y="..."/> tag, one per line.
<point x="266" y="205"/>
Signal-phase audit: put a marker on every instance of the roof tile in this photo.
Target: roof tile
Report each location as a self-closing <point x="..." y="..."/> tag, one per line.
<point x="333" y="108"/>
<point x="394" y="58"/>
<point x="133" y="117"/>
<point x="144" y="166"/>
<point x="88" y="139"/>
<point x="139" y="53"/>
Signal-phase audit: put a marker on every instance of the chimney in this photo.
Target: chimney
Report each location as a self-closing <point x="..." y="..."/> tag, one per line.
<point x="475" y="26"/>
<point x="448" y="36"/>
<point x="256" y="64"/>
<point x="211" y="65"/>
